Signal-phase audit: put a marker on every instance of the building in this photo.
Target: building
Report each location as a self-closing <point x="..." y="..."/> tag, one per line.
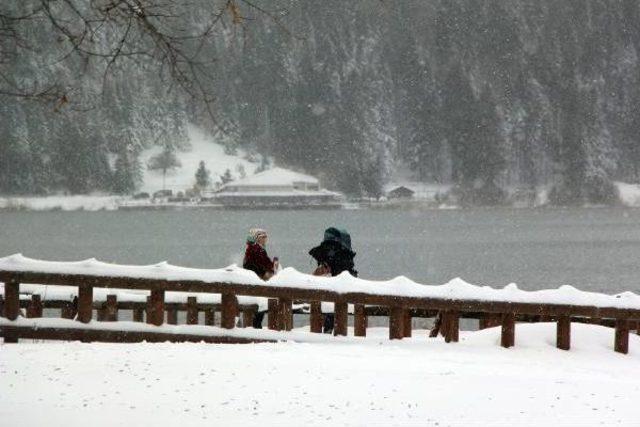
<point x="400" y="193"/>
<point x="276" y="187"/>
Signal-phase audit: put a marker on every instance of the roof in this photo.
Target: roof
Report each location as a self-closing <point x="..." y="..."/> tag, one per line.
<point x="401" y="190"/>
<point x="273" y="177"/>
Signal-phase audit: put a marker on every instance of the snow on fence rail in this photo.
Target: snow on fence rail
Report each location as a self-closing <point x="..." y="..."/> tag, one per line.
<point x="399" y="296"/>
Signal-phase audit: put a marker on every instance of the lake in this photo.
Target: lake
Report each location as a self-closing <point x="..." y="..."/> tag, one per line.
<point x="592" y="249"/>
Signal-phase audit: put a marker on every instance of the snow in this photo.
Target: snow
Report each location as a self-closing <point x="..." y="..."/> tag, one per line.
<point x="64" y="203"/>
<point x="343" y="283"/>
<point x="629" y="194"/>
<point x="203" y="148"/>
<point x="67" y="293"/>
<point x="277" y="177"/>
<point x="347" y="381"/>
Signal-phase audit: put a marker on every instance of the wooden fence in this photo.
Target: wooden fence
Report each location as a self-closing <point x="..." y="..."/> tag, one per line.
<point x="400" y="309"/>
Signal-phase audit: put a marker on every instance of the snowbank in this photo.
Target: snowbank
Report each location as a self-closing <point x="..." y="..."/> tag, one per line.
<point x="344" y="283"/>
<point x="351" y="382"/>
<point x="64" y="203"/>
<point x="629" y="194"/>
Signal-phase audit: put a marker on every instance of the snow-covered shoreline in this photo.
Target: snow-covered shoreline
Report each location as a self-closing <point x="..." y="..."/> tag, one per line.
<point x="629" y="198"/>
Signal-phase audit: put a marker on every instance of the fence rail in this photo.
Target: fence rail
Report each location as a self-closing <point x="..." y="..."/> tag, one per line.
<point x="399" y="308"/>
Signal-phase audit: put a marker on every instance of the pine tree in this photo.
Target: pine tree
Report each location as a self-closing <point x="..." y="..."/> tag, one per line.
<point x="227" y="177"/>
<point x="203" y="176"/>
<point x="165" y="161"/>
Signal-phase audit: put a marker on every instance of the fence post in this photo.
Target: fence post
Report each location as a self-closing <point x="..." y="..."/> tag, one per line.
<point x="11" y="305"/>
<point x="396" y="323"/>
<point x="359" y="320"/>
<point x="563" y="332"/>
<point x="34" y="309"/>
<point x="285" y="314"/>
<point x="11" y="300"/>
<point x="273" y="313"/>
<point x="248" y="314"/>
<point x="229" y="310"/>
<point x="507" y="338"/>
<point x="622" y="336"/>
<point x="407" y="323"/>
<point x="315" y="317"/>
<point x="210" y="317"/>
<point x="111" y="308"/>
<point x="341" y="311"/>
<point x="85" y="303"/>
<point x="155" y="307"/>
<point x="451" y="325"/>
<point x="172" y="314"/>
<point x="192" y="310"/>
<point x="138" y="315"/>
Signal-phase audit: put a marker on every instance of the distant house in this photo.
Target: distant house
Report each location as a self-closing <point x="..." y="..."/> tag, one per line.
<point x="275" y="187"/>
<point x="400" y="193"/>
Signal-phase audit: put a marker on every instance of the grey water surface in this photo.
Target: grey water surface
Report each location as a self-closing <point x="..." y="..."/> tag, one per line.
<point x="592" y="249"/>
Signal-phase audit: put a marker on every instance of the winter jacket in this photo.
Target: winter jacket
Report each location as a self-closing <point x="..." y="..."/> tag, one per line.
<point x="335" y="252"/>
<point x="257" y="260"/>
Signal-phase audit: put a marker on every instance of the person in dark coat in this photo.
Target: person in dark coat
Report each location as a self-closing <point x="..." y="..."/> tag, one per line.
<point x="334" y="256"/>
<point x="257" y="260"/>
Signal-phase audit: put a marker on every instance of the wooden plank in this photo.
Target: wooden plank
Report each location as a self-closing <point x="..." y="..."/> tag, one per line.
<point x="96" y="335"/>
<point x="507" y="338"/>
<point x="621" y="344"/>
<point x="341" y="312"/>
<point x="315" y="317"/>
<point x="407" y="323"/>
<point x="192" y="311"/>
<point x="172" y="315"/>
<point x="248" y="315"/>
<point x="155" y="307"/>
<point x="396" y="323"/>
<point x="209" y="317"/>
<point x="285" y="314"/>
<point x="563" y="333"/>
<point x="138" y="314"/>
<point x="111" y="308"/>
<point x="85" y="304"/>
<point x="11" y="300"/>
<point x="359" y="321"/>
<point x="229" y="310"/>
<point x="273" y="314"/>
<point x="34" y="309"/>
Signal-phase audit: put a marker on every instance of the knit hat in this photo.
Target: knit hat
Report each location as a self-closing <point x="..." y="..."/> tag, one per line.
<point x="254" y="234"/>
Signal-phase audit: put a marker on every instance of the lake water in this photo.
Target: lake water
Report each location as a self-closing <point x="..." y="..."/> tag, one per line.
<point x="592" y="249"/>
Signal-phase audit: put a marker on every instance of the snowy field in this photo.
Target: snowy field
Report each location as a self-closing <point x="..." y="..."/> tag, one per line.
<point x="349" y="381"/>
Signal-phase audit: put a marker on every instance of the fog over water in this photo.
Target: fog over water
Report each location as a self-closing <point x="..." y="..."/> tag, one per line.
<point x="592" y="249"/>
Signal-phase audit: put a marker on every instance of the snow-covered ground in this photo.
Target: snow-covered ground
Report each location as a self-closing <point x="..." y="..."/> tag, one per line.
<point x="350" y="381"/>
<point x="203" y="148"/>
